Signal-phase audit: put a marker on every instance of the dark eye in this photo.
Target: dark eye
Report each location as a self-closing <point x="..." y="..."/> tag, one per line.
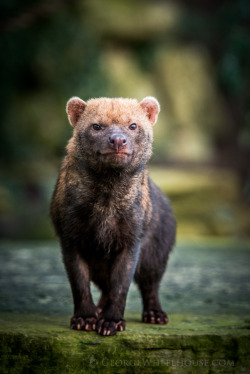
<point x="133" y="126"/>
<point x="96" y="127"/>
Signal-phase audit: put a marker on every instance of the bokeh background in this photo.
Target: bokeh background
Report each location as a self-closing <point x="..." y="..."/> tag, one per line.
<point x="194" y="56"/>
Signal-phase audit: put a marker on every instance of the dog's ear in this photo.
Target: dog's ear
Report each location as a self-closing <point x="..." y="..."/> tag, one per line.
<point x="151" y="107"/>
<point x="74" y="108"/>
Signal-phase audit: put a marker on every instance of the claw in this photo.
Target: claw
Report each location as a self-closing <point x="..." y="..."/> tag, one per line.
<point x="109" y="328"/>
<point x="81" y="323"/>
<point x="154" y="317"/>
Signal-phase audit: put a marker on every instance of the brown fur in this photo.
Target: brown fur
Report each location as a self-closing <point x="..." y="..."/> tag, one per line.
<point x="113" y="222"/>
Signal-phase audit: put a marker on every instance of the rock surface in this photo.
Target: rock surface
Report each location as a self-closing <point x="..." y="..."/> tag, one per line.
<point x="206" y="292"/>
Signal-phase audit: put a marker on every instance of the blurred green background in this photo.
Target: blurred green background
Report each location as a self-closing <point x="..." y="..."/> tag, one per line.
<point x="194" y="56"/>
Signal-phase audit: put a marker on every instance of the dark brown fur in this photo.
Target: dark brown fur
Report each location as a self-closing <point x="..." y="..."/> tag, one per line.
<point x="113" y="222"/>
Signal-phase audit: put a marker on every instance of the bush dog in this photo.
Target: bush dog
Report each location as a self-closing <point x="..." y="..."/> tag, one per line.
<point x="114" y="223"/>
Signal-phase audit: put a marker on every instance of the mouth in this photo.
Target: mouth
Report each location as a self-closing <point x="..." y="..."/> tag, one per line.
<point x="113" y="156"/>
<point x="116" y="154"/>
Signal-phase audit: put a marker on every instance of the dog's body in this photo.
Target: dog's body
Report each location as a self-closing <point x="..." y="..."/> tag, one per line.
<point x="113" y="222"/>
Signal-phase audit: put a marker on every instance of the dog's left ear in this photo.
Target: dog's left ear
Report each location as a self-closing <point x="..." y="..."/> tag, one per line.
<point x="151" y="107"/>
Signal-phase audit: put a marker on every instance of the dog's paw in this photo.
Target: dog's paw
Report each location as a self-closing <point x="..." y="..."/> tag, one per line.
<point x="155" y="317"/>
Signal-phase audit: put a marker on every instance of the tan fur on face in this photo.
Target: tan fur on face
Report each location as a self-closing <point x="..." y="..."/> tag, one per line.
<point x="106" y="111"/>
<point x="113" y="112"/>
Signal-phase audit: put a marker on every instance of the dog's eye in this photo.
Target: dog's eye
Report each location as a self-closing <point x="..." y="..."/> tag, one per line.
<point x="133" y="126"/>
<point x="96" y="127"/>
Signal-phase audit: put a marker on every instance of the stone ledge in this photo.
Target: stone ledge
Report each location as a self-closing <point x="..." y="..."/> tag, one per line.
<point x="188" y="344"/>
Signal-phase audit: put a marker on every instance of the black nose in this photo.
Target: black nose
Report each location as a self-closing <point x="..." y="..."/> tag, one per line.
<point x="117" y="141"/>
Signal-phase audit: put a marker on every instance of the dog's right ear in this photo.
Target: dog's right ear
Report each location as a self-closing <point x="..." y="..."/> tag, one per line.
<point x="74" y="108"/>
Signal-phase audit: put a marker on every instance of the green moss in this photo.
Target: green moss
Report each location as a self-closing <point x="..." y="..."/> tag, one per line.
<point x="35" y="344"/>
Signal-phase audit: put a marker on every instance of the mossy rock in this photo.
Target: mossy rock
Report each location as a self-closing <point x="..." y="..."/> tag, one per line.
<point x="207" y="281"/>
<point x="193" y="344"/>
